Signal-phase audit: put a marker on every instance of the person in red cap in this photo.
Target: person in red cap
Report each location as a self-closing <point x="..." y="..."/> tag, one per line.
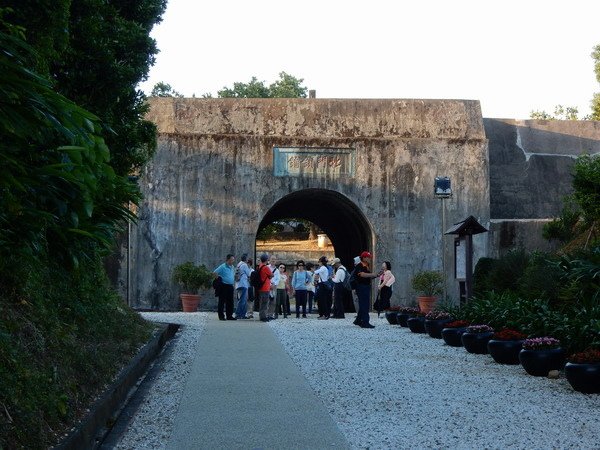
<point x="363" y="289"/>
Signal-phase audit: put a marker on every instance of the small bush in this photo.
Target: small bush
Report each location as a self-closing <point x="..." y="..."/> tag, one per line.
<point x="63" y="337"/>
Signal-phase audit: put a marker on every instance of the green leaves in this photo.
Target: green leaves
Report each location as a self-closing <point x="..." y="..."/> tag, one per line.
<point x="287" y="86"/>
<point x="56" y="186"/>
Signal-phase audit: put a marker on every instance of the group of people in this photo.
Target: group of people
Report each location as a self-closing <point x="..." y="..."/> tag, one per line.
<point x="329" y="284"/>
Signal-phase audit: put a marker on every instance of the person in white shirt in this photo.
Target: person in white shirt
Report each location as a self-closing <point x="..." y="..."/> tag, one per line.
<point x="339" y="292"/>
<point x="324" y="290"/>
<point x="310" y="288"/>
<point x="274" y="282"/>
<point x="242" y="274"/>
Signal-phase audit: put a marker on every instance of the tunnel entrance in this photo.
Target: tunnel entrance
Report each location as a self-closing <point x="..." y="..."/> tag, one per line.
<point x="338" y="217"/>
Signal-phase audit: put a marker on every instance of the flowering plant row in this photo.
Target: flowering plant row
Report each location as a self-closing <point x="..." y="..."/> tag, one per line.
<point x="408" y="310"/>
<point x="507" y="334"/>
<point x="479" y="329"/>
<point x="437" y="315"/>
<point x="591" y="355"/>
<point x="457" y="324"/>
<point x="541" y="343"/>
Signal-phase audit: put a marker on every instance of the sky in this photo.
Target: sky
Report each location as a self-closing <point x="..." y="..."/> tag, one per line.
<point x="513" y="56"/>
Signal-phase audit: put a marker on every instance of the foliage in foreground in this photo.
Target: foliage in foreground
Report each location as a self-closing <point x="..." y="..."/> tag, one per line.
<point x="581" y="213"/>
<point x="540" y="295"/>
<point x="63" y="337"/>
<point x="58" y="190"/>
<point x="96" y="52"/>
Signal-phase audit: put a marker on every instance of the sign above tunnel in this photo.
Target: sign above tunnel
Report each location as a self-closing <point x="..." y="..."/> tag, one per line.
<point x="312" y="161"/>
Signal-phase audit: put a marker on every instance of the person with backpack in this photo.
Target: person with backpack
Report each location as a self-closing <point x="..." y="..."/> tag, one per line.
<point x="261" y="281"/>
<point x="341" y="281"/>
<point x="362" y="280"/>
<point x="226" y="272"/>
<point x="300" y="282"/>
<point x="242" y="272"/>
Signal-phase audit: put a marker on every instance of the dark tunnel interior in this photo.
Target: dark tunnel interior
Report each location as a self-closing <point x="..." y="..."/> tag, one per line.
<point x="335" y="214"/>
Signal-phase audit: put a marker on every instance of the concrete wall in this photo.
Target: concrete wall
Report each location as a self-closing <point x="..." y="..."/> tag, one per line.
<point x="211" y="181"/>
<point x="530" y="174"/>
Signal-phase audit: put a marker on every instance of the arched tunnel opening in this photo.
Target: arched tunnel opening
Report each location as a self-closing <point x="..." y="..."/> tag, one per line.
<point x="343" y="222"/>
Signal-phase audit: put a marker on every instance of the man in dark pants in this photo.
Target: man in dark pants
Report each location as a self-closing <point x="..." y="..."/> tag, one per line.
<point x="227" y="273"/>
<point x="363" y="289"/>
<point x="339" y="292"/>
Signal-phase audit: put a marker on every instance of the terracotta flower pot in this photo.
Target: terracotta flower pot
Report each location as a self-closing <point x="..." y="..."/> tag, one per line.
<point x="426" y="304"/>
<point x="189" y="302"/>
<point x="584" y="377"/>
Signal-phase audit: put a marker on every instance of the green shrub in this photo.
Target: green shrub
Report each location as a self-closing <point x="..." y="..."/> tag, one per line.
<point x="428" y="282"/>
<point x="540" y="279"/>
<point x="563" y="228"/>
<point x="63" y="337"/>
<point x="191" y="277"/>
<point x="481" y="275"/>
<point x="507" y="271"/>
<point x="586" y="184"/>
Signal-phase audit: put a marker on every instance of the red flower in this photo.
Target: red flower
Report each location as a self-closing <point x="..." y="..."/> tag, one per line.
<point x="457" y="324"/>
<point x="507" y="334"/>
<point x="588" y="356"/>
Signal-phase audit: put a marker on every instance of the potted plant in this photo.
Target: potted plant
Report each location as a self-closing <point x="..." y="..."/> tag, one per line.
<point x="435" y="322"/>
<point x="541" y="355"/>
<point x="429" y="284"/>
<point x="191" y="278"/>
<point x="476" y="337"/>
<point x="505" y="346"/>
<point x="452" y="332"/>
<point x="583" y="371"/>
<point x="416" y="323"/>
<point x="405" y="313"/>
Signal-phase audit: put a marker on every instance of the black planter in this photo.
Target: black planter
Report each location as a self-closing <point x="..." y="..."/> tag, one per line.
<point x="403" y="318"/>
<point x="539" y="362"/>
<point x="452" y="336"/>
<point x="476" y="342"/>
<point x="416" y="324"/>
<point x="584" y="377"/>
<point x="505" y="352"/>
<point x="391" y="317"/>
<point x="434" y="327"/>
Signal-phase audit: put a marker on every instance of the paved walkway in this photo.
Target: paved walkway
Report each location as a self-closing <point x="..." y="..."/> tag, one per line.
<point x="244" y="392"/>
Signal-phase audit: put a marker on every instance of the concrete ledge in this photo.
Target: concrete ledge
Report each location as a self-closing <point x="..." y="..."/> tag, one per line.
<point x="103" y="413"/>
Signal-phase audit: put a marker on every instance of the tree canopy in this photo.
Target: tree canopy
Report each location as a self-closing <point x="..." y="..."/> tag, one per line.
<point x="95" y="53"/>
<point x="287" y="86"/>
<point x="162" y="89"/>
<point x="596" y="98"/>
<point x="560" y="113"/>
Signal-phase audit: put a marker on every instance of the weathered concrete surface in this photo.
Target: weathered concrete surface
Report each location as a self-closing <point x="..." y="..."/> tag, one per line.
<point x="530" y="174"/>
<point x="211" y="182"/>
<point x="244" y="392"/>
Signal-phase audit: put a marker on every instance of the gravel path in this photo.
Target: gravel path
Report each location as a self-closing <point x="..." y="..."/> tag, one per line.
<point x="390" y="388"/>
<point x="152" y="425"/>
